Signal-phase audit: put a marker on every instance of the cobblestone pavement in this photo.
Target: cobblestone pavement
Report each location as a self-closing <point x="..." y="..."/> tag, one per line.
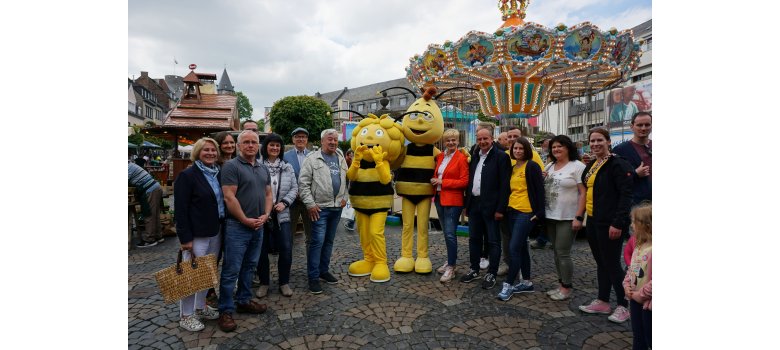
<point x="410" y="311"/>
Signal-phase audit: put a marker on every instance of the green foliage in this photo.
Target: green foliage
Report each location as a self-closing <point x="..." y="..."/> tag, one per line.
<point x="300" y="111"/>
<point x="483" y="118"/>
<point x="139" y="138"/>
<point x="344" y="146"/>
<point x="136" y="138"/>
<point x="245" y="109"/>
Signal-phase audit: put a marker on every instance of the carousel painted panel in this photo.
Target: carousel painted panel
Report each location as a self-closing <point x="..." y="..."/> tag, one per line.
<point x="435" y="61"/>
<point x="622" y="49"/>
<point x="476" y="51"/>
<point x="529" y="44"/>
<point x="583" y="43"/>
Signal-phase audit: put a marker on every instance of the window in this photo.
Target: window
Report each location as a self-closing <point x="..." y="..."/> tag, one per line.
<point x="402" y="101"/>
<point x="360" y="107"/>
<point x="373" y="106"/>
<point x="648" y="45"/>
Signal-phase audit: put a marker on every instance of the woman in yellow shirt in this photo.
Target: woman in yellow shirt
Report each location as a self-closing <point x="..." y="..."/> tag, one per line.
<point x="609" y="181"/>
<point x="526" y="209"/>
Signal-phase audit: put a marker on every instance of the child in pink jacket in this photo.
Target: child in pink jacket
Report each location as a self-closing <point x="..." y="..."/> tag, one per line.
<point x="638" y="282"/>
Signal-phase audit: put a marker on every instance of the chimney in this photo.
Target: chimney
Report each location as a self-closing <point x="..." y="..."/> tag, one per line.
<point x="144" y="74"/>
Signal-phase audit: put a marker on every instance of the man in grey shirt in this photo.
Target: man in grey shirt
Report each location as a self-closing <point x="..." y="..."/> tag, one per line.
<point x="246" y="185"/>
<point x="323" y="189"/>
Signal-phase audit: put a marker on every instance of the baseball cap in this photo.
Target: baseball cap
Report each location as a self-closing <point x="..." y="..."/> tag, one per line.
<point x="297" y="130"/>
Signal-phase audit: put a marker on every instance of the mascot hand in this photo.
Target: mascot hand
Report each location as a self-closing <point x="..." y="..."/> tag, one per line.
<point x="378" y="155"/>
<point x="358" y="156"/>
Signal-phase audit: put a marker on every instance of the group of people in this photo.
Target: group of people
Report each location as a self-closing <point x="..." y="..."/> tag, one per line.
<point x="507" y="191"/>
<point x="240" y="200"/>
<point x="230" y="201"/>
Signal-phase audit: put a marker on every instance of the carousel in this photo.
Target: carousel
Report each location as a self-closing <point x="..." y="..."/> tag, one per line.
<point x="517" y="70"/>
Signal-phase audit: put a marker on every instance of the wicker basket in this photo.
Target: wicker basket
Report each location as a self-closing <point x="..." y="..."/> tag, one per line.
<point x="182" y="280"/>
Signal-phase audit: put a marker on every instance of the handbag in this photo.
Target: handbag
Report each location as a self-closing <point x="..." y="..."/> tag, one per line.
<point x="181" y="280"/>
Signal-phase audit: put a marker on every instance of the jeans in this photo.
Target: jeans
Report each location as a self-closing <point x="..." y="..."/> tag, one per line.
<point x="641" y="325"/>
<point x="481" y="222"/>
<point x="448" y="216"/>
<point x="242" y="250"/>
<point x="320" y="246"/>
<point x="298" y="212"/>
<point x="520" y="257"/>
<point x="282" y="236"/>
<point x="607" y="253"/>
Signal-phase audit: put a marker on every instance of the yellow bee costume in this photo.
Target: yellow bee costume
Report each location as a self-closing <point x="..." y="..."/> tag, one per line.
<point x="423" y="125"/>
<point x="377" y="141"/>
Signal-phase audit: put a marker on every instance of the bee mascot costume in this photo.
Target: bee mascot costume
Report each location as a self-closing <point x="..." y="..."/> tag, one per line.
<point x="377" y="141"/>
<point x="423" y="126"/>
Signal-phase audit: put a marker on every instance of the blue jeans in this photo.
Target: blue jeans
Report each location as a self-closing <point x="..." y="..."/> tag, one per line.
<point x="481" y="222"/>
<point x="448" y="216"/>
<point x="519" y="256"/>
<point x="323" y="231"/>
<point x="242" y="250"/>
<point x="282" y="236"/>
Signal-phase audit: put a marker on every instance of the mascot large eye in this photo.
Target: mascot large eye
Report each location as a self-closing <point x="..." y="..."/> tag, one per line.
<point x="428" y="116"/>
<point x="380" y="133"/>
<point x="364" y="132"/>
<point x="413" y="116"/>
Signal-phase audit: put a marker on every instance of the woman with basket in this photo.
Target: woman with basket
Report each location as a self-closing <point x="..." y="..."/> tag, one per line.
<point x="200" y="211"/>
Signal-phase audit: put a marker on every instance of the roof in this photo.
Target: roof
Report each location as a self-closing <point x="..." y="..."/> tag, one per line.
<point x="213" y="112"/>
<point x="191" y="78"/>
<point x="367" y="92"/>
<point x="643" y="29"/>
<point x="224" y="82"/>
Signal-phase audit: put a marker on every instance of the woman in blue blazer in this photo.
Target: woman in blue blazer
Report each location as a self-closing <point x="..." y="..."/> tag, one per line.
<point x="199" y="211"/>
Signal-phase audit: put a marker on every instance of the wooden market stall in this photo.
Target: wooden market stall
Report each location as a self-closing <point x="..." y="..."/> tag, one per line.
<point x="197" y="114"/>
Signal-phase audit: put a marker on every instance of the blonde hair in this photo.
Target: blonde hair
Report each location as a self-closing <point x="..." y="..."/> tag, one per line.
<point x="450" y="133"/>
<point x="195" y="155"/>
<point x="642" y="219"/>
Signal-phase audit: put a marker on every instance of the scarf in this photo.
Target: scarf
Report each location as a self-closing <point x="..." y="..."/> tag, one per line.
<point x="210" y="173"/>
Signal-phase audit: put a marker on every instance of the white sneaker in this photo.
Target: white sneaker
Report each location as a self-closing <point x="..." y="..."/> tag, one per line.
<point x="484" y="263"/>
<point x="208" y="313"/>
<point x="449" y="273"/>
<point x="553" y="291"/>
<point x="191" y="323"/>
<point x="442" y="268"/>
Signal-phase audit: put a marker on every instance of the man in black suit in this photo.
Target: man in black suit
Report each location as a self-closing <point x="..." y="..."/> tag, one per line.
<point x="487" y="196"/>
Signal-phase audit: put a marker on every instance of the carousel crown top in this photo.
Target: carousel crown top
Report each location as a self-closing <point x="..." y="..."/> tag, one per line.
<point x="522" y="66"/>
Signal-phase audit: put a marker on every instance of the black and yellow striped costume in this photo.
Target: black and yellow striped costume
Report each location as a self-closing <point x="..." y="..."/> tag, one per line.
<point x="367" y="194"/>
<point x="413" y="179"/>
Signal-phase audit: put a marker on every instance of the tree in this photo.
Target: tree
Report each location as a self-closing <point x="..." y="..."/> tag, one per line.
<point x="245" y="109"/>
<point x="300" y="111"/>
<point x="483" y="118"/>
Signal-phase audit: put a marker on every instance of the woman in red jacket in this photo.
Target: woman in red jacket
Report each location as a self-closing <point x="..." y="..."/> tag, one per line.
<point x="450" y="179"/>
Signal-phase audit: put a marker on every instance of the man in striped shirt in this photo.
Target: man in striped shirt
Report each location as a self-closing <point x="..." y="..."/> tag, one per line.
<point x="147" y="188"/>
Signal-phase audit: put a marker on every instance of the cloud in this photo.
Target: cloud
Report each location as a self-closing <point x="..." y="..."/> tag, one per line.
<point x="273" y="49"/>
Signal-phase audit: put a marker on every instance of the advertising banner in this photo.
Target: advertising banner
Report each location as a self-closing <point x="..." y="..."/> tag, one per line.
<point x="622" y="104"/>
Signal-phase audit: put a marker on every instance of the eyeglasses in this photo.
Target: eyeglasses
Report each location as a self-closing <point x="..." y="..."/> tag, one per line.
<point x="250" y="142"/>
<point x="252" y="129"/>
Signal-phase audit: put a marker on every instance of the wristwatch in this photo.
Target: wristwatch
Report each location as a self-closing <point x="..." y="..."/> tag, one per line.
<point x="579" y="218"/>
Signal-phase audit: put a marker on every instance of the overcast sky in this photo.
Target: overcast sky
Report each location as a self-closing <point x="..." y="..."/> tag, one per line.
<point x="273" y="49"/>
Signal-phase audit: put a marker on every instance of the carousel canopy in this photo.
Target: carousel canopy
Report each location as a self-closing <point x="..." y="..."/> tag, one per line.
<point x="521" y="67"/>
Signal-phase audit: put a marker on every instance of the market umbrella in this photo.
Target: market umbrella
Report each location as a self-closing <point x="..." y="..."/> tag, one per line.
<point x="148" y="144"/>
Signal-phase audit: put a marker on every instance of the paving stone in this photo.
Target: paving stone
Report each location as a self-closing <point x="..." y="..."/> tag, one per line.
<point x="411" y="311"/>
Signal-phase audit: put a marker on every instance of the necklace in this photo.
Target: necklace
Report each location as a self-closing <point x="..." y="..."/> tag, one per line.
<point x="274" y="168"/>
